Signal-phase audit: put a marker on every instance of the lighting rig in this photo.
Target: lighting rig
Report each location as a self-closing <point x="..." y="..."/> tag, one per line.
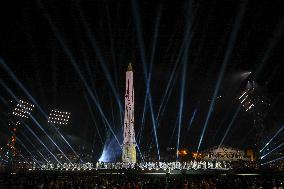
<point x="23" y="109"/>
<point x="58" y="117"/>
<point x="246" y="98"/>
<point x="20" y="111"/>
<point x="253" y="101"/>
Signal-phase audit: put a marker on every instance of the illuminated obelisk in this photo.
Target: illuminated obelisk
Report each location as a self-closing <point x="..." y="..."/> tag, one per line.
<point x="129" y="144"/>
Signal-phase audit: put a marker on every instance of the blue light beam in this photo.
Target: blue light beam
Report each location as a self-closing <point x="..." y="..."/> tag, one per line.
<point x="148" y="82"/>
<point x="9" y="71"/>
<point x="137" y="22"/>
<point x="102" y="61"/>
<point x="15" y="98"/>
<point x="229" y="49"/>
<point x="276" y="134"/>
<point x="230" y="125"/>
<point x="277" y="147"/>
<point x="26" y="138"/>
<point x="22" y="144"/>
<point x="40" y="141"/>
<point x="192" y="119"/>
<point x="188" y="39"/>
<point x="76" y="67"/>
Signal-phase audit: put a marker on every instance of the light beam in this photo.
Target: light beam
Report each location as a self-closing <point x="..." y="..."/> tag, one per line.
<point x="226" y="59"/>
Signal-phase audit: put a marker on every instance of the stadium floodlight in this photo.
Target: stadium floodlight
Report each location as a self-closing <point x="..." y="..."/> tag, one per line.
<point x="23" y="109"/>
<point x="58" y="117"/>
<point x="242" y="95"/>
<point x="251" y="105"/>
<point x="244" y="99"/>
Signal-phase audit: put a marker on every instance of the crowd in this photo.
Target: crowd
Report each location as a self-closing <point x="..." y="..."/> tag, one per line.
<point x="77" y="181"/>
<point x="191" y="165"/>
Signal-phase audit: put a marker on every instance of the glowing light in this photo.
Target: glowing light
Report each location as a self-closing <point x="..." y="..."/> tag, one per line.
<point x="23" y="109"/>
<point x="244" y="99"/>
<point x="163" y="166"/>
<point x="274" y="160"/>
<point x="40" y="141"/>
<point x="112" y="150"/>
<point x="187" y="39"/>
<point x="192" y="118"/>
<point x="145" y="69"/>
<point x="280" y="145"/>
<point x="76" y="67"/>
<point x="229" y="50"/>
<point x="58" y="117"/>
<point x="182" y="152"/>
<point x="242" y="95"/>
<point x="276" y="134"/>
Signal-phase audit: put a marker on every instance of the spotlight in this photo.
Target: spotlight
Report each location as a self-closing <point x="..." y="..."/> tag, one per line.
<point x="58" y="117"/>
<point x="23" y="109"/>
<point x="242" y="95"/>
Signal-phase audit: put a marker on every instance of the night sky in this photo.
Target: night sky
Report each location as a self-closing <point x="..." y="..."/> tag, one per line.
<point x="53" y="47"/>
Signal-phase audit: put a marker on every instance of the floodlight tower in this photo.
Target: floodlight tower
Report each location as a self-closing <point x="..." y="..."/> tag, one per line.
<point x="246" y="99"/>
<point x="20" y="112"/>
<point x="129" y="144"/>
<point x="254" y="101"/>
<point x="23" y="109"/>
<point x="58" y="117"/>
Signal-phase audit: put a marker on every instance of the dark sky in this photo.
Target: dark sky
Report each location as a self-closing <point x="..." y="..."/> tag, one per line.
<point x="47" y="43"/>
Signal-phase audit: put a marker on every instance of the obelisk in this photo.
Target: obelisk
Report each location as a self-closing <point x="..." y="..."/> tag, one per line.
<point x="129" y="144"/>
